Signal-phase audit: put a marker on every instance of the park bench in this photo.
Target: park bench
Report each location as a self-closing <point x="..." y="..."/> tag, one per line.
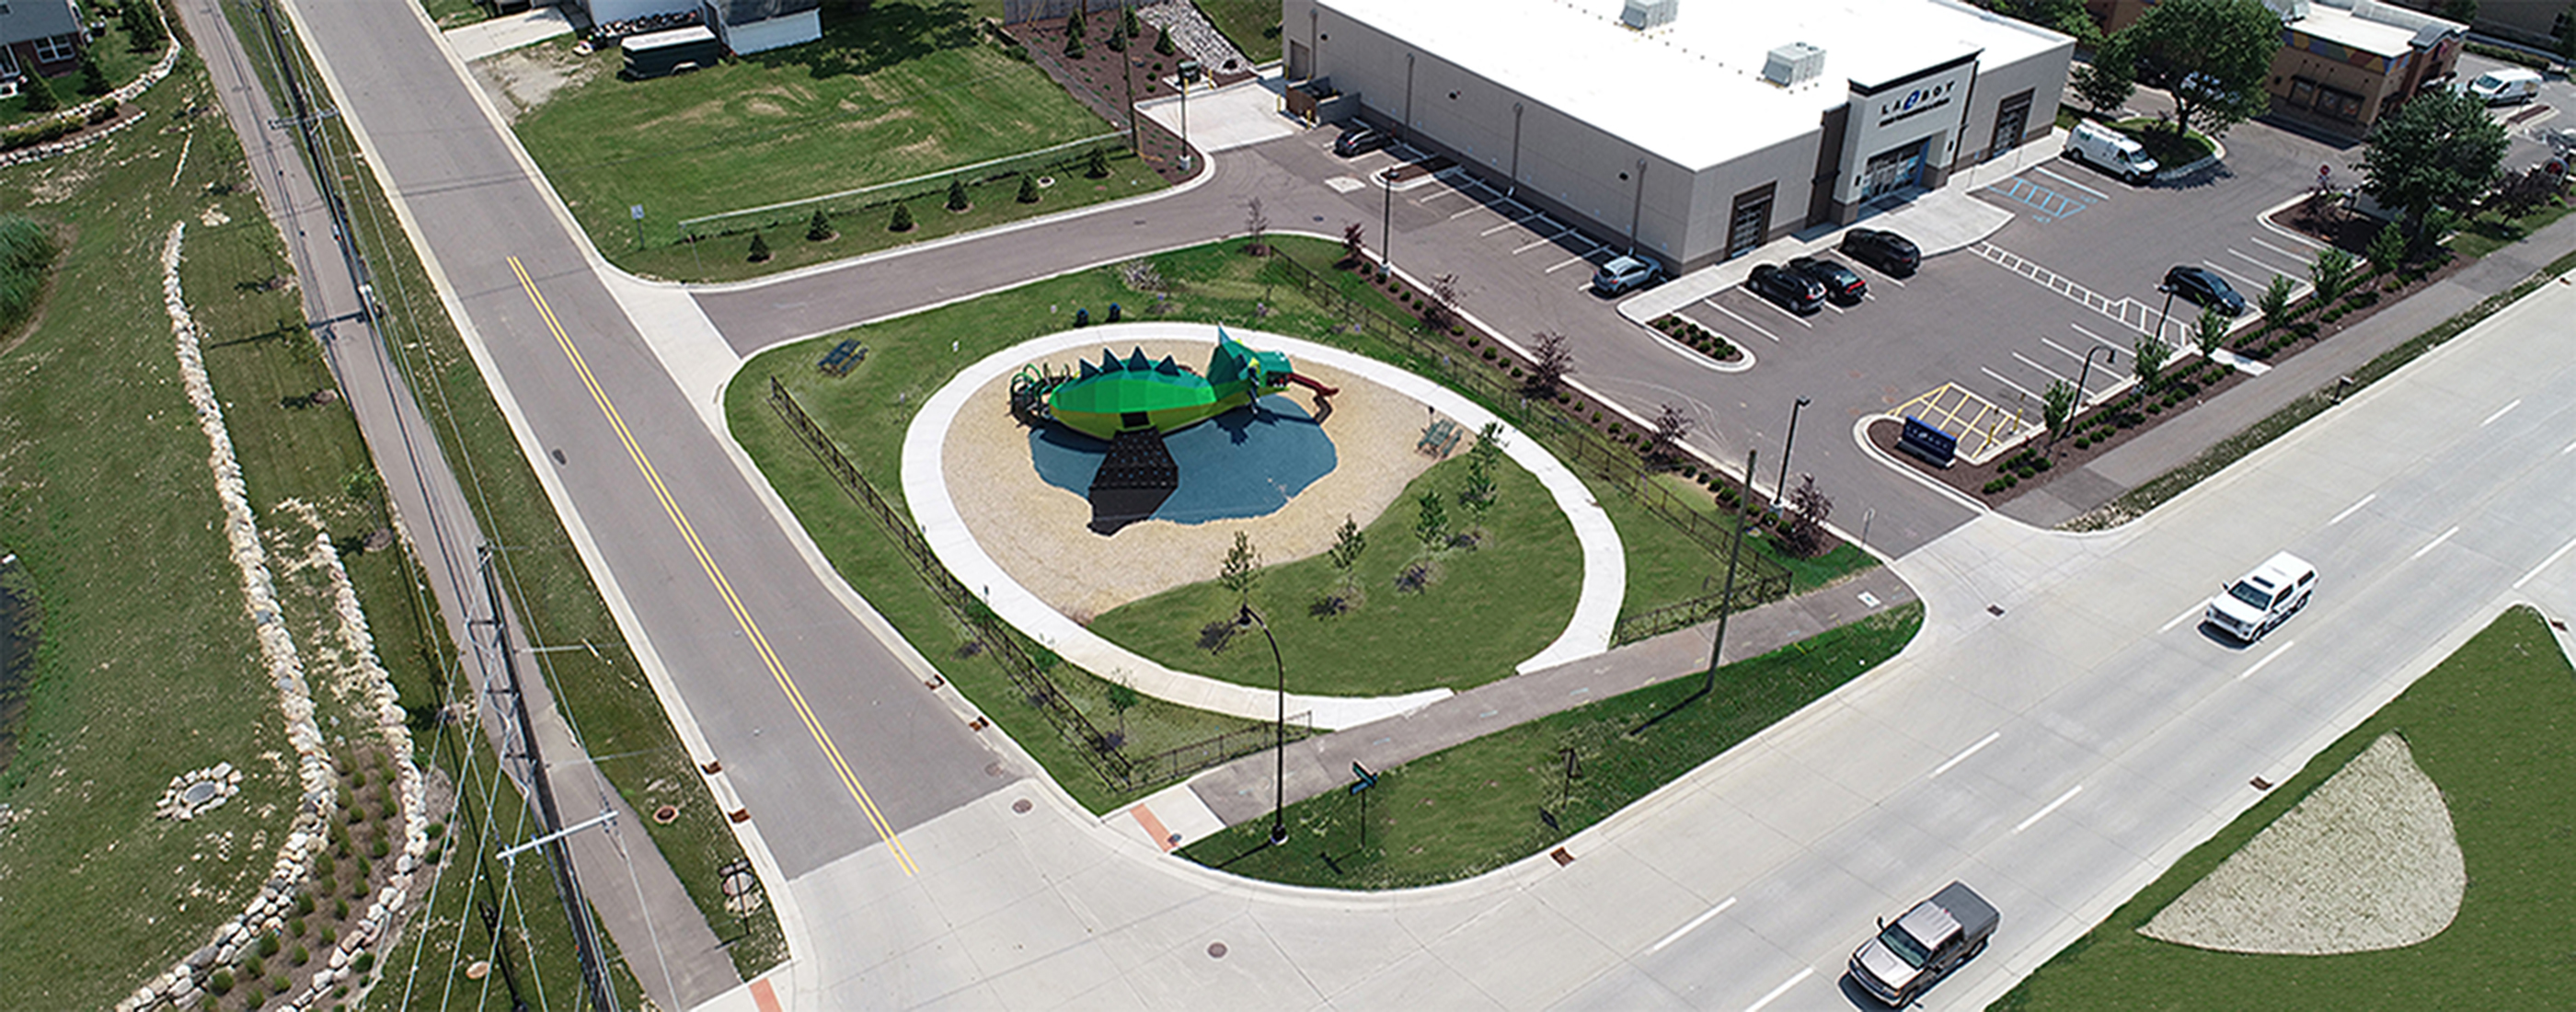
<point x="1439" y="439"/>
<point x="842" y="357"/>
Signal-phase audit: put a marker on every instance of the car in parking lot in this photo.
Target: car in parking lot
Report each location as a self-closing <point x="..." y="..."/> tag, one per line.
<point x="1622" y="274"/>
<point x="1906" y="958"/>
<point x="2264" y="598"/>
<point x="2203" y="286"/>
<point x="1887" y="252"/>
<point x="1841" y="285"/>
<point x="1795" y="292"/>
<point x="1361" y="140"/>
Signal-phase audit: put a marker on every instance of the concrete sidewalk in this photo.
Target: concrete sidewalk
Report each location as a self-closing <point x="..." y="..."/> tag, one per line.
<point x="1241" y="789"/>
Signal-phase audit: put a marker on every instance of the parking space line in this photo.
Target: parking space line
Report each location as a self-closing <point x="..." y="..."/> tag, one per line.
<point x="2258" y="263"/>
<point x="1882" y="275"/>
<point x="1571" y="261"/>
<point x="1999" y="378"/>
<point x="1757" y="328"/>
<point x="2107" y="342"/>
<point x="2294" y="257"/>
<point x="1449" y="192"/>
<point x="1507" y="223"/>
<point x="1469" y="211"/>
<point x="2213" y="265"/>
<point x="1541" y="241"/>
<point x="2025" y="360"/>
<point x="2070" y="352"/>
<point x="2043" y="170"/>
<point x="1793" y="317"/>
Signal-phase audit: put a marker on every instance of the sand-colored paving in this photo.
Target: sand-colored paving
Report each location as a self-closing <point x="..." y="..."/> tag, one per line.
<point x="1038" y="533"/>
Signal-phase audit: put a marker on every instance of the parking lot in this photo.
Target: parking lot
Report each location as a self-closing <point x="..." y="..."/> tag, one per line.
<point x="1975" y="337"/>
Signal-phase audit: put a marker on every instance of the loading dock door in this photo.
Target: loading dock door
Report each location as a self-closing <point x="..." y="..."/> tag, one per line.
<point x="2011" y="118"/>
<point x="1751" y="220"/>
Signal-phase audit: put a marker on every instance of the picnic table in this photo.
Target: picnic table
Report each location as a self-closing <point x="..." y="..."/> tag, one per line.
<point x="842" y="357"/>
<point x="1440" y="438"/>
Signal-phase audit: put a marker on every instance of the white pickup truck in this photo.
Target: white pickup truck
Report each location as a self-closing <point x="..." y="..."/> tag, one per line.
<point x="2264" y="598"/>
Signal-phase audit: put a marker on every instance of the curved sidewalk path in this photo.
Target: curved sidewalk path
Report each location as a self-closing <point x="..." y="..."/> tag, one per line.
<point x="925" y="487"/>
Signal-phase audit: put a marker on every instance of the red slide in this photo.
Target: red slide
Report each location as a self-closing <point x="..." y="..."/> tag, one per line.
<point x="1309" y="383"/>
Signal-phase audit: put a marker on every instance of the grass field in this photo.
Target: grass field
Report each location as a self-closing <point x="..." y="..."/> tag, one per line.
<point x="448" y="14"/>
<point x="1472" y="808"/>
<point x="866" y="413"/>
<point x="602" y="689"/>
<point x="2492" y="726"/>
<point x="906" y="89"/>
<point x="146" y="666"/>
<point x="1492" y="607"/>
<point x="1252" y="25"/>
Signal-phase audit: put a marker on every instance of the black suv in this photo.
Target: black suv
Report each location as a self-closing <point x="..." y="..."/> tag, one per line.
<point x="1792" y="290"/>
<point x="2204" y="286"/>
<point x="1841" y="285"/>
<point x="1889" y="252"/>
<point x="1360" y="139"/>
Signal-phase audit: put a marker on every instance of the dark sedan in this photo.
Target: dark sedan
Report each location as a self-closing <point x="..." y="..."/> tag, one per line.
<point x="1361" y="139"/>
<point x="1792" y="290"/>
<point x="2204" y="286"/>
<point x="1841" y="285"/>
<point x="1887" y="252"/>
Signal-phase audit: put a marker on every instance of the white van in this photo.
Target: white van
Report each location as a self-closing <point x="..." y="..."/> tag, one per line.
<point x="2505" y="85"/>
<point x="2110" y="150"/>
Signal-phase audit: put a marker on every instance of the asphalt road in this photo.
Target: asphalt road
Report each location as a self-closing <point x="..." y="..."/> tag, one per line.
<point x="829" y="738"/>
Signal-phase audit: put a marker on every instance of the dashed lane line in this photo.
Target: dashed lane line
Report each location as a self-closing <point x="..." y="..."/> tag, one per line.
<point x="1694" y="922"/>
<point x="2070" y="794"/>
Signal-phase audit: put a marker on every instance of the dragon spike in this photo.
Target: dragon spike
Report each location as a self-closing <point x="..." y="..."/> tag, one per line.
<point x="1168" y="367"/>
<point x="1137" y="362"/>
<point x="1089" y="370"/>
<point x="1108" y="361"/>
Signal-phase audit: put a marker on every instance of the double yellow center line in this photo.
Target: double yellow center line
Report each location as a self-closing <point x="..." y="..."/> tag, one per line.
<point x="715" y="574"/>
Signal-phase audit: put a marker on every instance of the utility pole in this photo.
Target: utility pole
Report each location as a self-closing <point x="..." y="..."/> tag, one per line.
<point x="1726" y="598"/>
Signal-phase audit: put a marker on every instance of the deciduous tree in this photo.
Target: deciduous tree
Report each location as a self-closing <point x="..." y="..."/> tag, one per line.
<point x="2211" y="56"/>
<point x="2440" y="150"/>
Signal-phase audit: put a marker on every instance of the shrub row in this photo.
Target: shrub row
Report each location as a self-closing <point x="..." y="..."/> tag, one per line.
<point x="1691" y="333"/>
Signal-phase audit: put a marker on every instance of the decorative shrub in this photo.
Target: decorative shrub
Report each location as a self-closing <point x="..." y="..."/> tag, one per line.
<point x="1489" y="354"/>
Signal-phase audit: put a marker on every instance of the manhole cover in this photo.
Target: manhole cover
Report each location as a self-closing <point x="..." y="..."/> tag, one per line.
<point x="1021" y="806"/>
<point x="993" y="769"/>
<point x="1216" y="950"/>
<point x="198" y="793"/>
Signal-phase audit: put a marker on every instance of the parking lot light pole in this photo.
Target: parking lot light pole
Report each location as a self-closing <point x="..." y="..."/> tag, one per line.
<point x="1780" y="489"/>
<point x="1386" y="223"/>
<point x="1726" y="598"/>
<point x="2110" y="356"/>
<point x="1279" y="773"/>
<point x="2165" y="316"/>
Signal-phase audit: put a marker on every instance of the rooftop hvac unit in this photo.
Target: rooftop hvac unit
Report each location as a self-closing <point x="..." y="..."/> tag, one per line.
<point x="1645" y="14"/>
<point x="1793" y="64"/>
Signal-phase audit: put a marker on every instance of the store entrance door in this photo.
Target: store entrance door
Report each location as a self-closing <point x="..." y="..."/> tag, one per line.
<point x="1893" y="170"/>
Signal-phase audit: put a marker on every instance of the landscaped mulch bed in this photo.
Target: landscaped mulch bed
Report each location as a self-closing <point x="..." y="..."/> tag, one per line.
<point x="1094" y="80"/>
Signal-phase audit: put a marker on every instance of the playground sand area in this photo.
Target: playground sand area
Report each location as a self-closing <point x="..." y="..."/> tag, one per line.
<point x="1039" y="533"/>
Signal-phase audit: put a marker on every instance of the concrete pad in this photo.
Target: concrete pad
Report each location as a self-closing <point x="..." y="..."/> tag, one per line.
<point x="1187" y="976"/>
<point x="1221" y="119"/>
<point x="1418" y="981"/>
<point x="507" y="32"/>
<point x="1176" y="810"/>
<point x="1529" y="950"/>
<point x="1620" y="899"/>
<point x="1034" y="953"/>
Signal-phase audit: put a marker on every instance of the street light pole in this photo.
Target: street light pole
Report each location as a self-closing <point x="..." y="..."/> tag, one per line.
<point x="1726" y="598"/>
<point x="1279" y="771"/>
<point x="1780" y="491"/>
<point x="2164" y="316"/>
<point x="1184" y="81"/>
<point x="2110" y="356"/>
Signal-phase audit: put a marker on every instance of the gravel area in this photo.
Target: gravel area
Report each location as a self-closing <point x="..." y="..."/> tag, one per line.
<point x="2366" y="862"/>
<point x="1039" y="534"/>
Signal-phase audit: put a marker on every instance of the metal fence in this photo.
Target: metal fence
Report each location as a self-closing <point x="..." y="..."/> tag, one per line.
<point x="1062" y="159"/>
<point x="1022" y="11"/>
<point x="1175" y="763"/>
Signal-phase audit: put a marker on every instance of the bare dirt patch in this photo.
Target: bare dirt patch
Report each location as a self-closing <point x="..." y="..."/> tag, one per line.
<point x="2367" y="862"/>
<point x="1040" y="535"/>
<point x="520" y="80"/>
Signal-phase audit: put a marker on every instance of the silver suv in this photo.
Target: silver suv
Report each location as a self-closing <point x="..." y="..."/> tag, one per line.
<point x="1623" y="274"/>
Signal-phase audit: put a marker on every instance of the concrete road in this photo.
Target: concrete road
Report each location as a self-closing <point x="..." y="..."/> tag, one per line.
<point x="2057" y="755"/>
<point x="824" y="731"/>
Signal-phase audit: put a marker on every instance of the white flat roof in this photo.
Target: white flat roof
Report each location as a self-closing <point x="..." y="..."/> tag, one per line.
<point x="1692" y="91"/>
<point x="2378" y="38"/>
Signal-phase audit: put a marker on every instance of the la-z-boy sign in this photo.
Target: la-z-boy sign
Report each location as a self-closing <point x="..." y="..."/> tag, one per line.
<point x="1914" y="103"/>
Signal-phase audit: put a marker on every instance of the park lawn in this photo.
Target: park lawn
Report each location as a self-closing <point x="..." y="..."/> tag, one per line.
<point x="867" y="411"/>
<point x="147" y="665"/>
<point x="2494" y="725"/>
<point x="1489" y="608"/>
<point x="448" y="14"/>
<point x="2490" y="231"/>
<point x="1805" y="574"/>
<point x="1471" y="808"/>
<point x="1252" y="25"/>
<point x="908" y="88"/>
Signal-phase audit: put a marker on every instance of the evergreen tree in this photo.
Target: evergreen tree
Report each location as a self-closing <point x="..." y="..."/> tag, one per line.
<point x="142" y="30"/>
<point x="1028" y="188"/>
<point x="94" y="80"/>
<point x="759" y="249"/>
<point x="957" y="194"/>
<point x="902" y="219"/>
<point x="40" y="94"/>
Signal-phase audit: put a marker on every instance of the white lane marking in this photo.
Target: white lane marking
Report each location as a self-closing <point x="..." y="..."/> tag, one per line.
<point x="1739" y="318"/>
<point x="2294" y="257"/>
<point x="1989" y="739"/>
<point x="1781" y="990"/>
<point x="1469" y="211"/>
<point x="2196" y="611"/>
<point x="2352" y="509"/>
<point x="2499" y="413"/>
<point x="2267" y="659"/>
<point x="1426" y="201"/>
<point x="1508" y="223"/>
<point x="2070" y="352"/>
<point x="2433" y="544"/>
<point x="2043" y="170"/>
<point x="1775" y="307"/>
<point x="2025" y="360"/>
<point x="2267" y="282"/>
<point x="2544" y="564"/>
<point x="2070" y="794"/>
<point x="1569" y="262"/>
<point x="1694" y="922"/>
<point x="1999" y="378"/>
<point x="2570" y="448"/>
<point x="1538" y="242"/>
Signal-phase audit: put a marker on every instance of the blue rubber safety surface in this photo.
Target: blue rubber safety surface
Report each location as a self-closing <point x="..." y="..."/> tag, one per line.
<point x="1245" y="463"/>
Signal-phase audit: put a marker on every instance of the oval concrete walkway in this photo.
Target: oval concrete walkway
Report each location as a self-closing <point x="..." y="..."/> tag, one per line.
<point x="925" y="487"/>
